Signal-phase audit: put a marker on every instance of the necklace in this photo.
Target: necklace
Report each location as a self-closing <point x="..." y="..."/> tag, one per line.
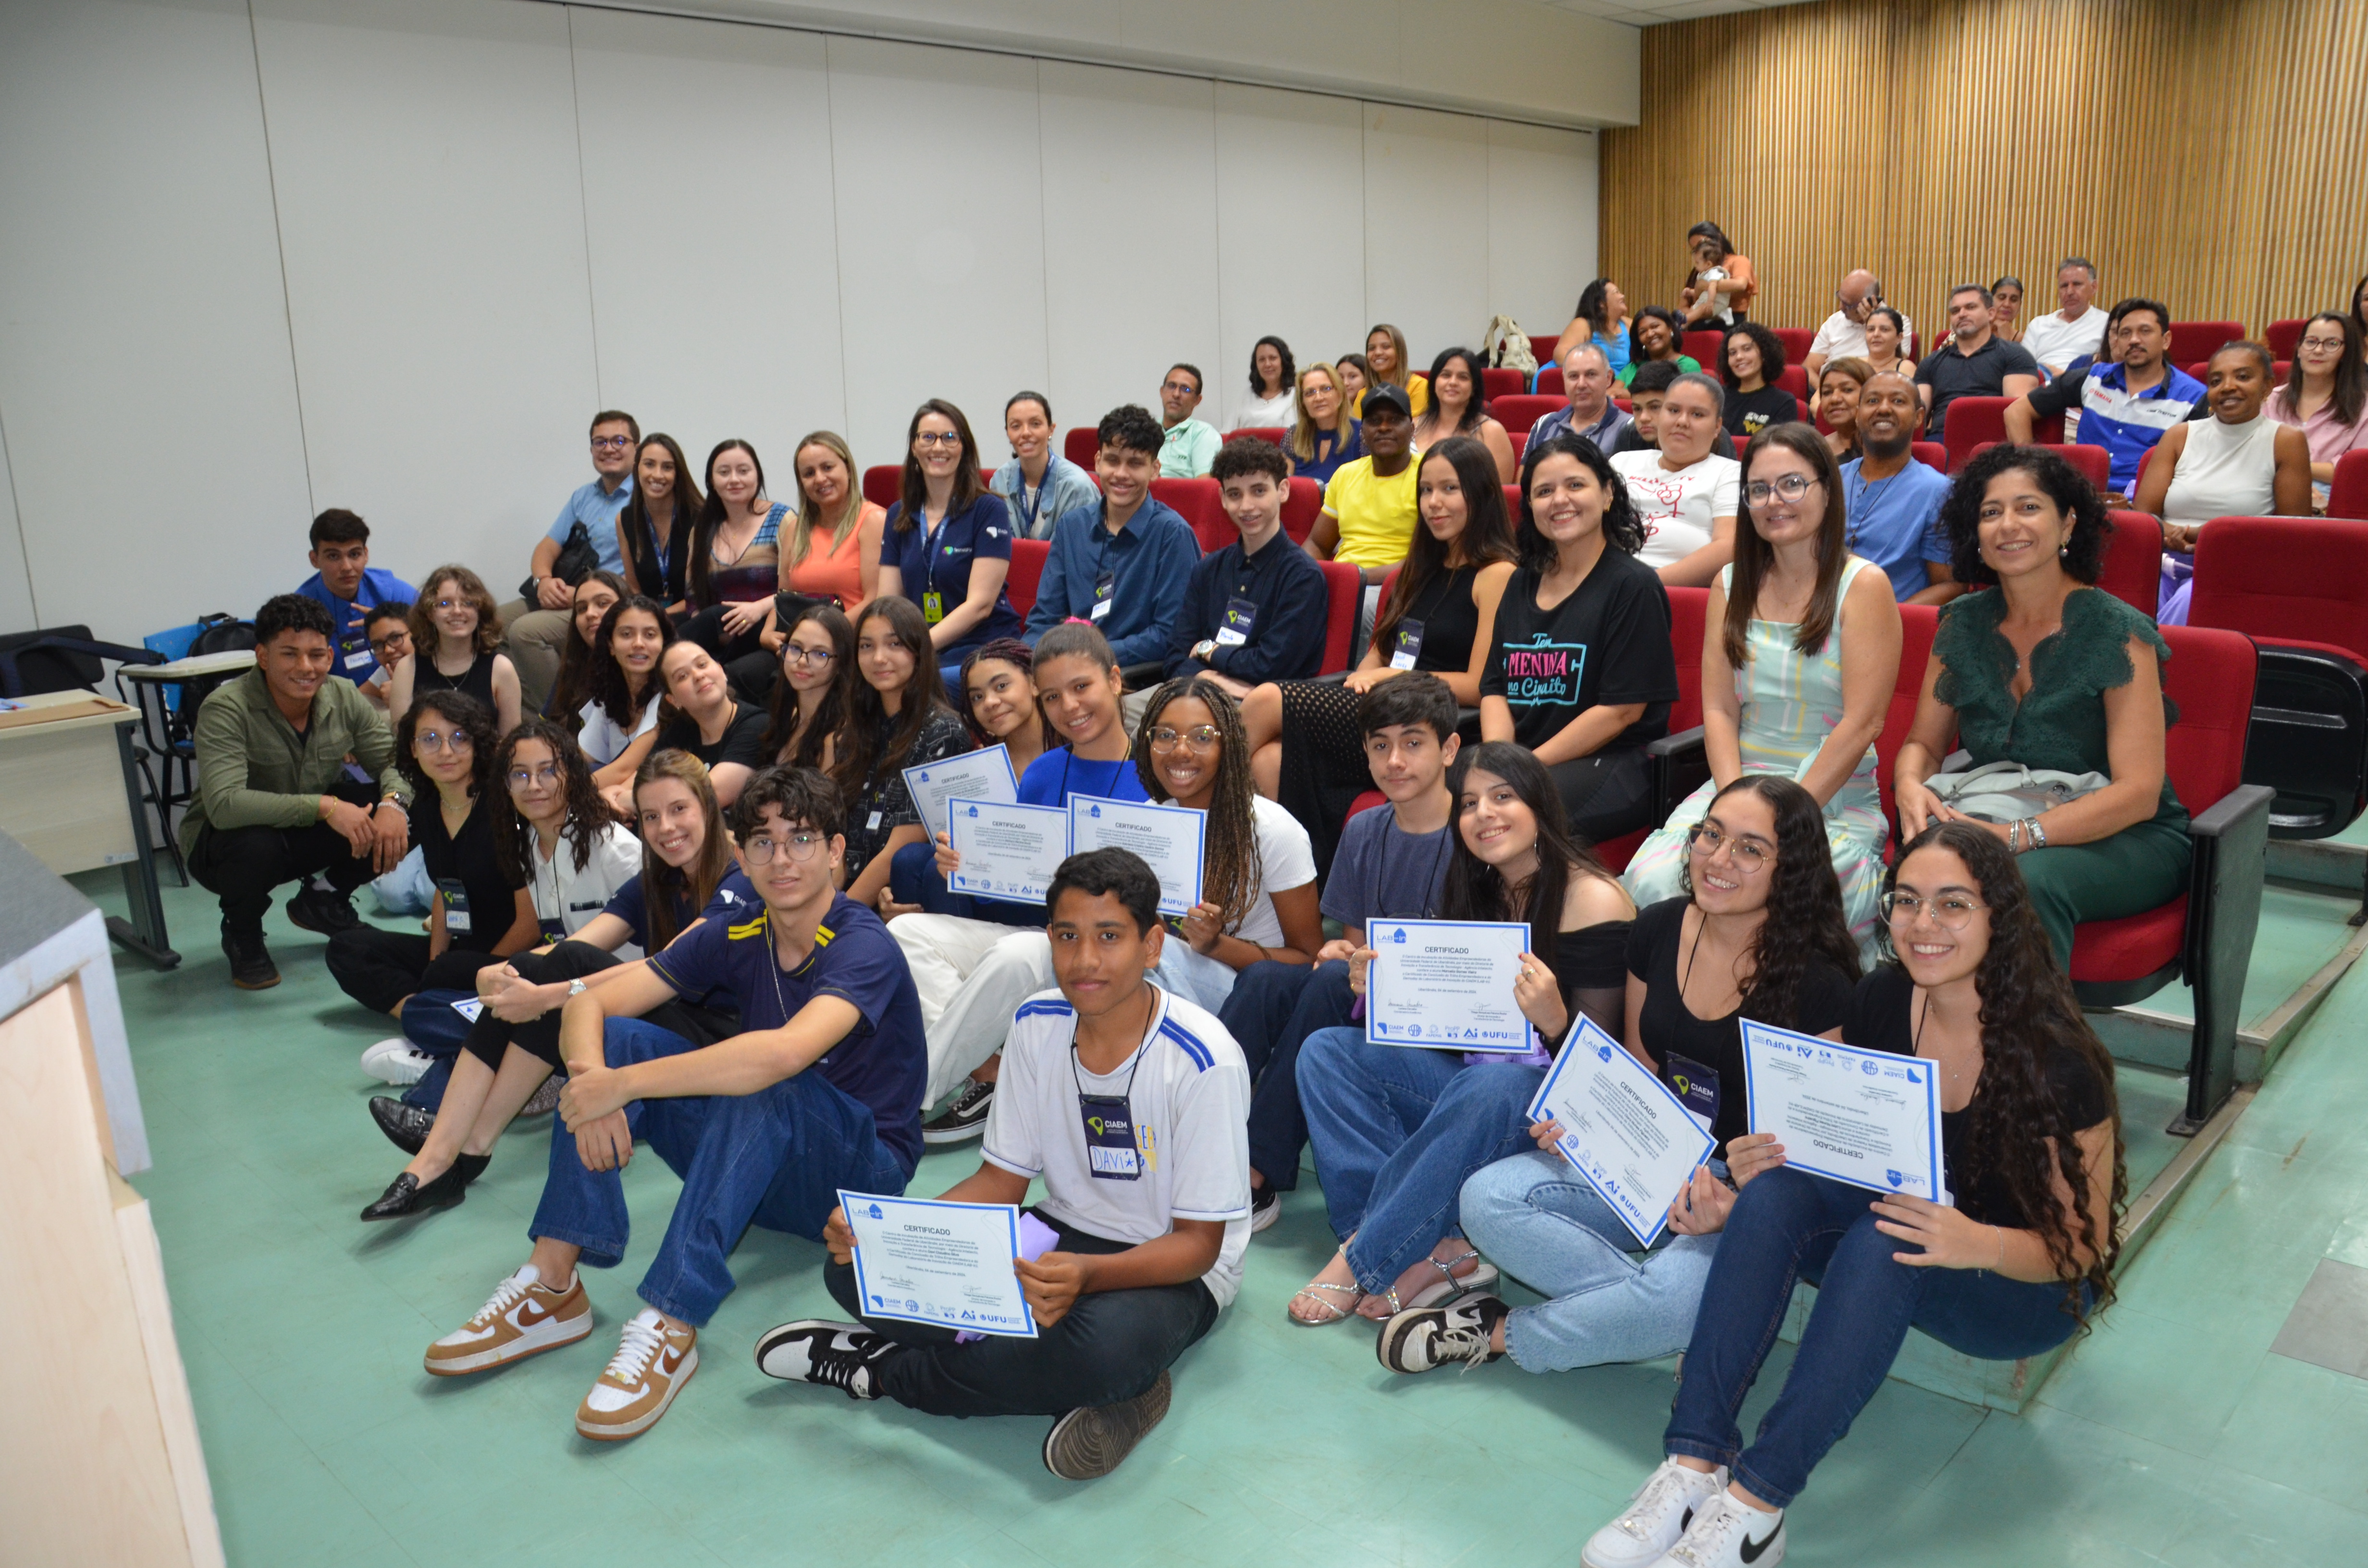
<point x="1916" y="1046"/>
<point x="1867" y="488"/>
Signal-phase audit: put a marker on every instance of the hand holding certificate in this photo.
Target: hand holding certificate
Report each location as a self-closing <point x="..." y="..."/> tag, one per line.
<point x="1168" y="838"/>
<point x="1448" y="984"/>
<point x="1008" y="853"/>
<point x="1869" y="1118"/>
<point x="1621" y="1128"/>
<point x="984" y="775"/>
<point x="920" y="1260"/>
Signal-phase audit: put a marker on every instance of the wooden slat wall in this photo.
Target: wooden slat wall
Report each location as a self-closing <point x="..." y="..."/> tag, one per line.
<point x="2211" y="153"/>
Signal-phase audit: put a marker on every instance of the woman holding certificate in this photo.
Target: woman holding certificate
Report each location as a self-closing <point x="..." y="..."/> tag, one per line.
<point x="1757" y="933"/>
<point x="1391" y="1174"/>
<point x="2033" y="1145"/>
<point x="1801" y="653"/>
<point x="998" y="707"/>
<point x="896" y="718"/>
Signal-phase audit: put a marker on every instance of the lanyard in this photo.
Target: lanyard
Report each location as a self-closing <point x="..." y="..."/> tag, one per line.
<point x="1026" y="508"/>
<point x="930" y="537"/>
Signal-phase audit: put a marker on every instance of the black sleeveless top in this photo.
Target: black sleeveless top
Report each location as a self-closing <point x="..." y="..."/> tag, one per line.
<point x="661" y="580"/>
<point x="1450" y="622"/>
<point x="476" y="681"/>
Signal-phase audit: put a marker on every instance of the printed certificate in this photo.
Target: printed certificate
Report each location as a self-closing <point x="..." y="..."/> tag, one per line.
<point x="975" y="776"/>
<point x="949" y="1263"/>
<point x="1171" y="840"/>
<point x="1008" y="852"/>
<point x="1446" y="984"/>
<point x="1869" y="1118"/>
<point x="1632" y="1139"/>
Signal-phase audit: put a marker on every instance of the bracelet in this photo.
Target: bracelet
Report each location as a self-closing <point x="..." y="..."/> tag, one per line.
<point x="2038" y="835"/>
<point x="2014" y="836"/>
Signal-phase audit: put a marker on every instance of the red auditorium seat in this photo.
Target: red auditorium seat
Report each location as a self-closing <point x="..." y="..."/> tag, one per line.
<point x="1520" y="412"/>
<point x="1794" y="379"/>
<point x="883" y="485"/>
<point x="1345" y="586"/>
<point x="1700" y="344"/>
<point x="1931" y="454"/>
<point x="1678" y="765"/>
<point x="1080" y="445"/>
<point x="1300" y="509"/>
<point x="1513" y="505"/>
<point x="2283" y="336"/>
<point x="2193" y="340"/>
<point x="2348" y="497"/>
<point x="1272" y="435"/>
<point x="1521" y="440"/>
<point x="1541" y="346"/>
<point x="1496" y="383"/>
<point x="1796" y="341"/>
<point x="1978" y="422"/>
<point x="1917" y="624"/>
<point x="2095" y="462"/>
<point x="1201" y="503"/>
<point x="2132" y="571"/>
<point x="1028" y="557"/>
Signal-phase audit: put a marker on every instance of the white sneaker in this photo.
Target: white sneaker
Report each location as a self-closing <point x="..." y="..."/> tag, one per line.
<point x="396" y="1062"/>
<point x="1656" y="1518"/>
<point x="1727" y="1534"/>
<point x="652" y="1364"/>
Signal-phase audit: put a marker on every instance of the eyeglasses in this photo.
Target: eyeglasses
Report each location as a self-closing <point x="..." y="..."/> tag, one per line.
<point x="611" y="443"/>
<point x="392" y="644"/>
<point x="441" y="605"/>
<point x="1749" y="853"/>
<point x="1952" y="913"/>
<point x="1200" y="737"/>
<point x="1181" y="389"/>
<point x="938" y="438"/>
<point x="546" y="773"/>
<point x="1792" y="487"/>
<point x="439" y="740"/>
<point x="2322" y="344"/>
<point x="793" y="654"/>
<point x="799" y="847"/>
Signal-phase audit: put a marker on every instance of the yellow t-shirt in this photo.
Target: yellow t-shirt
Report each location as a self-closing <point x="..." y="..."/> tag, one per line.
<point x="1377" y="516"/>
<point x="1418" y="396"/>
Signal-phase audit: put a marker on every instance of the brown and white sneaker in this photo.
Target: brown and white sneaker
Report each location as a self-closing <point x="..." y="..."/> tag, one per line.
<point x="652" y="1364"/>
<point x="524" y="1318"/>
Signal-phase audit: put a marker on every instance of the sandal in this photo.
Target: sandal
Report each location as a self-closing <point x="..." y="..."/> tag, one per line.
<point x="1449" y="1285"/>
<point x="1309" y="1289"/>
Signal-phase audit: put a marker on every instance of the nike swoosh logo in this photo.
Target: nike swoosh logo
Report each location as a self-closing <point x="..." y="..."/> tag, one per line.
<point x="533" y="1312"/>
<point x="1750" y="1549"/>
<point x="673" y="1358"/>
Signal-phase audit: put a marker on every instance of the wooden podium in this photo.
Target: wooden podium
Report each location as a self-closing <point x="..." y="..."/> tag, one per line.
<point x="100" y="1462"/>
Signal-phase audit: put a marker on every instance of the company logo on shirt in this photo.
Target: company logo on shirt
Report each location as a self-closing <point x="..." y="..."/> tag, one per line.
<point x="1543" y="672"/>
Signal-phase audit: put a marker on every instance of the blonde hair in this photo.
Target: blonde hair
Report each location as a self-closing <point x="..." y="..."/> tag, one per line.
<point x="1302" y="432"/>
<point x="810" y="515"/>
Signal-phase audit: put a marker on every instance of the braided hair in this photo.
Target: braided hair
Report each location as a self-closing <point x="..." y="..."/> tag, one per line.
<point x="1230" y="876"/>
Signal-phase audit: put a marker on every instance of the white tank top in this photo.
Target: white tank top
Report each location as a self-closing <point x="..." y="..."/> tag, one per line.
<point x="2227" y="470"/>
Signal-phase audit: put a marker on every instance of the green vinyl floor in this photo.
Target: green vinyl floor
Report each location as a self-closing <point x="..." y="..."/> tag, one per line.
<point x="2173" y="1434"/>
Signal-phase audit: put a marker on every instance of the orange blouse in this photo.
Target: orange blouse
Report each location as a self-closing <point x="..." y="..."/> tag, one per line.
<point x="836" y="573"/>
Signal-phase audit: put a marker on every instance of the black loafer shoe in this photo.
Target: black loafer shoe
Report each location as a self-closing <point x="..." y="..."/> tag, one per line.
<point x="405" y="1126"/>
<point x="403" y="1195"/>
<point x="251" y="968"/>
<point x="324" y="912"/>
<point x="470" y="1166"/>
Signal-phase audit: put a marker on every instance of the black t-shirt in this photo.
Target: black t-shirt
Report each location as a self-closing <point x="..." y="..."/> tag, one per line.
<point x="480" y="904"/>
<point x="1606" y="642"/>
<point x="1712" y="1049"/>
<point x="1951" y="375"/>
<point x="1750" y="413"/>
<point x="743" y="742"/>
<point x="1881" y="1018"/>
<point x="1589" y="958"/>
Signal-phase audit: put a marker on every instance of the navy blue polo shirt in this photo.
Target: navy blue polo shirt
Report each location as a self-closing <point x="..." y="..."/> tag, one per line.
<point x="940" y="564"/>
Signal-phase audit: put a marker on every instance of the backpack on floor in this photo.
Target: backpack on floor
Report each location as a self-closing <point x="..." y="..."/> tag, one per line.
<point x="1506" y="347"/>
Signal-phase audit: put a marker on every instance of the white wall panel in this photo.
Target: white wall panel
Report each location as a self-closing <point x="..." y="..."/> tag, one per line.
<point x="714" y="275"/>
<point x="1290" y="187"/>
<point x="144" y="375"/>
<point x="941" y="236"/>
<point x="432" y="218"/>
<point x="1541" y="223"/>
<point x="1426" y="255"/>
<point x="1131" y="221"/>
<point x="17" y="609"/>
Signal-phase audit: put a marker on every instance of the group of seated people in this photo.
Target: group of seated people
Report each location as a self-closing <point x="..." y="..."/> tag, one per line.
<point x="650" y="833"/>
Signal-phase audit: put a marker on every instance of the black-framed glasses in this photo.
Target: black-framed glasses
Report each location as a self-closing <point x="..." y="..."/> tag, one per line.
<point x="801" y="847"/>
<point x="393" y="642"/>
<point x="611" y="443"/>
<point x="1752" y="855"/>
<point x="1181" y="389"/>
<point x="1790" y="486"/>
<point x="793" y="654"/>
<point x="1200" y="737"/>
<point x="937" y="438"/>
<point x="1951" y="912"/>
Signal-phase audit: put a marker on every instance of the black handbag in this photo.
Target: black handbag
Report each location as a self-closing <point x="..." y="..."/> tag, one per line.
<point x="577" y="560"/>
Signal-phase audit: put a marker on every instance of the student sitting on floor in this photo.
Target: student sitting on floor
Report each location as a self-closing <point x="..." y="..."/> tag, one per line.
<point x="2031" y="1143"/>
<point x="274" y="803"/>
<point x="618" y="726"/>
<point x="456" y="643"/>
<point x="820" y="1091"/>
<point x="571" y="689"/>
<point x="1396" y="1130"/>
<point x="1254" y="610"/>
<point x="1760" y="933"/>
<point x="445" y="746"/>
<point x="998" y="707"/>
<point x="345" y="583"/>
<point x="1148" y="1255"/>
<point x="702" y="717"/>
<point x="387" y="628"/>
<point x="1392" y="865"/>
<point x="1121" y="562"/>
<point x="896" y="718"/>
<point x="809" y="708"/>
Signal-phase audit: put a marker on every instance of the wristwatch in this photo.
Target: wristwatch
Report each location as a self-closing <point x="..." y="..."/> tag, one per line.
<point x="576" y="988"/>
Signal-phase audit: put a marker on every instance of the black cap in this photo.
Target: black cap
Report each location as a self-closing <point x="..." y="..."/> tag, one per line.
<point x="1389" y="394"/>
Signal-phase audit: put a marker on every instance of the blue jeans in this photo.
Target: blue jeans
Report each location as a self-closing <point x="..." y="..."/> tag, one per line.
<point x="776" y="1158"/>
<point x="1272" y="1010"/>
<point x="1539" y="1220"/>
<point x="1788" y="1225"/>
<point x="1398" y="1132"/>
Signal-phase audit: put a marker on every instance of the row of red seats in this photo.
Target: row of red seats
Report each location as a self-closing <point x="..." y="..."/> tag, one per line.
<point x="2192" y="342"/>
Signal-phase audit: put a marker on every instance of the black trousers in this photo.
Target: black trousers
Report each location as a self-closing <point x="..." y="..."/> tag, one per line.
<point x="242" y="866"/>
<point x="378" y="968"/>
<point x="1606" y="795"/>
<point x="1111" y="1347"/>
<point x="490" y="1038"/>
<point x="1272" y="1010"/>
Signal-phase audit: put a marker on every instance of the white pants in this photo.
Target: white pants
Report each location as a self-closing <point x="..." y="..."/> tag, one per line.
<point x="971" y="975"/>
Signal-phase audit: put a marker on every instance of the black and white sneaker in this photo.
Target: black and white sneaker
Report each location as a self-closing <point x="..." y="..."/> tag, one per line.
<point x="844" y="1355"/>
<point x="1266" y="1207"/>
<point x="1420" y="1338"/>
<point x="1091" y="1441"/>
<point x="1727" y="1534"/>
<point x="965" y="1119"/>
<point x="322" y="910"/>
<point x="1655" y="1519"/>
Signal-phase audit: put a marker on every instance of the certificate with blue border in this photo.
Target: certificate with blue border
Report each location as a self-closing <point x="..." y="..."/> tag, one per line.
<point x="981" y="774"/>
<point x="1447" y="986"/>
<point x="1171" y="840"/>
<point x="925" y="1260"/>
<point x="1621" y="1128"/>
<point x="1010" y="853"/>
<point x="1868" y="1118"/>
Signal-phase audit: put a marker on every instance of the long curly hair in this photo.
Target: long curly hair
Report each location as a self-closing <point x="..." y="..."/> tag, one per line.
<point x="664" y="886"/>
<point x="608" y="686"/>
<point x="2017" y="1130"/>
<point x="587" y="814"/>
<point x="860" y="756"/>
<point x="1487" y="535"/>
<point x="459" y="711"/>
<point x="424" y="637"/>
<point x="1474" y="890"/>
<point x="1771" y="354"/>
<point x="1622" y="529"/>
<point x="1803" y="921"/>
<point x="1230" y="871"/>
<point x="830" y="708"/>
<point x="2084" y="552"/>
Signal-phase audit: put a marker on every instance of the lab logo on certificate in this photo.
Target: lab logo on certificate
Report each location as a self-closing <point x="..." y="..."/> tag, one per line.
<point x="1603" y="1052"/>
<point x="1093" y="811"/>
<point x="876" y="1213"/>
<point x="1401" y="935"/>
<point x="1893" y="1177"/>
<point x="973" y="811"/>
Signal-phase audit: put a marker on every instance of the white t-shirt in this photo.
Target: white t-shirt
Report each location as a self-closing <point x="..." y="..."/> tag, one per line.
<point x="1286" y="859"/>
<point x="565" y="899"/>
<point x="1842" y="338"/>
<point x="1266" y="413"/>
<point x="1189" y="1099"/>
<point x="600" y="738"/>
<point x="1677" y="507"/>
<point x="2052" y="341"/>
